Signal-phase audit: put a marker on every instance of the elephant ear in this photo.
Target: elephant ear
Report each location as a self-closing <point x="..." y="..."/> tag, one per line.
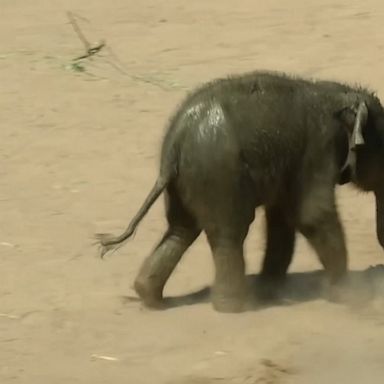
<point x="354" y="119"/>
<point x="360" y="121"/>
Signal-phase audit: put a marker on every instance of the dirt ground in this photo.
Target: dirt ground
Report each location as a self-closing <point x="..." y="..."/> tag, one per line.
<point x="79" y="151"/>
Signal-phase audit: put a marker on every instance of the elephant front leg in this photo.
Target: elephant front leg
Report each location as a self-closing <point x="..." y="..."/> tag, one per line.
<point x="327" y="239"/>
<point x="278" y="254"/>
<point x="325" y="234"/>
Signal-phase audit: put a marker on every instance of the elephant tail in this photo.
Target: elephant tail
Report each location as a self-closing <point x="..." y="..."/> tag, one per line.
<point x="109" y="242"/>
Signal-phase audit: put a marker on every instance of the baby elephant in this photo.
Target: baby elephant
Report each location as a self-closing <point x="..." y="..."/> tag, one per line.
<point x="261" y="139"/>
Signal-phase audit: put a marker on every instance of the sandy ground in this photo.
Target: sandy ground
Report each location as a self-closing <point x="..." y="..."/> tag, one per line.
<point x="79" y="152"/>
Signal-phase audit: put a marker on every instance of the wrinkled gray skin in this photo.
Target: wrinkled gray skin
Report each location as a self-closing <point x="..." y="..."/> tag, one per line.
<point x="261" y="139"/>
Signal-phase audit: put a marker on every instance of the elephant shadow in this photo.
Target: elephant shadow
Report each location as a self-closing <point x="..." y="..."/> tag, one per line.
<point x="299" y="287"/>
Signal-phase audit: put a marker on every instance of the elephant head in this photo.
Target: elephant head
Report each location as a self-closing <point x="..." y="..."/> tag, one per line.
<point x="365" y="125"/>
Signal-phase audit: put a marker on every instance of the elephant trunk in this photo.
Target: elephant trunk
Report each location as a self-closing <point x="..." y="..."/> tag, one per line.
<point x="380" y="216"/>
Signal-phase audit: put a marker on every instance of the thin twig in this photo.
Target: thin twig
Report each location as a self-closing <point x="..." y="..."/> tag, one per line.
<point x="92" y="50"/>
<point x="89" y="50"/>
<point x="80" y="17"/>
<point x="78" y="31"/>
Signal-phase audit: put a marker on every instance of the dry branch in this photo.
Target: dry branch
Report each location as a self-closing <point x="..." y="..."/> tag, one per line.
<point x="89" y="49"/>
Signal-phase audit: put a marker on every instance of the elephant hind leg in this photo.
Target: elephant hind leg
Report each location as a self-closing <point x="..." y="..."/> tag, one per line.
<point x="229" y="290"/>
<point x="159" y="265"/>
<point x="226" y="231"/>
<point x="280" y="243"/>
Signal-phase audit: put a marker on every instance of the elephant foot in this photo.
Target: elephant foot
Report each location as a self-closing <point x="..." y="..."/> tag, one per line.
<point x="270" y="288"/>
<point x="225" y="305"/>
<point x="225" y="302"/>
<point x="350" y="292"/>
<point x="150" y="296"/>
